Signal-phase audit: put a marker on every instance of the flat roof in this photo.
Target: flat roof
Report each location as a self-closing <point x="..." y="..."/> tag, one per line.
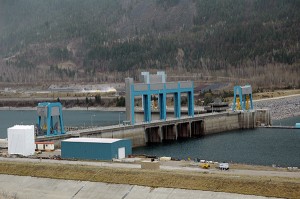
<point x="92" y="140"/>
<point x="22" y="127"/>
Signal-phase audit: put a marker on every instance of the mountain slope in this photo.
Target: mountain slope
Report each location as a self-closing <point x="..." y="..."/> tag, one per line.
<point x="74" y="40"/>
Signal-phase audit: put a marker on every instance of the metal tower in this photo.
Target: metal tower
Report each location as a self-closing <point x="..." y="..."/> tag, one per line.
<point x="48" y="113"/>
<point x="242" y="98"/>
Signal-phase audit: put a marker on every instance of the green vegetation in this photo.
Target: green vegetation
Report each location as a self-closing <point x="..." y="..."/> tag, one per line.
<point x="59" y="54"/>
<point x="240" y="39"/>
<point x="120" y="102"/>
<point x="98" y="99"/>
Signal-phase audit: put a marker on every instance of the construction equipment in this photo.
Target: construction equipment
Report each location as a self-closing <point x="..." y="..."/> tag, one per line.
<point x="205" y="165"/>
<point x="50" y="119"/>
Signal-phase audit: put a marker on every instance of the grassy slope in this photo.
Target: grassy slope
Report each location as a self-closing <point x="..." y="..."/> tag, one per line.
<point x="264" y="186"/>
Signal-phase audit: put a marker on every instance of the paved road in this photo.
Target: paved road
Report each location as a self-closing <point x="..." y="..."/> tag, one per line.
<point x="31" y="187"/>
<point x="236" y="172"/>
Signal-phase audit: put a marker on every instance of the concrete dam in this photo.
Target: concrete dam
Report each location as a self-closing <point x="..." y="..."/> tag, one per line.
<point x="173" y="128"/>
<point x="147" y="127"/>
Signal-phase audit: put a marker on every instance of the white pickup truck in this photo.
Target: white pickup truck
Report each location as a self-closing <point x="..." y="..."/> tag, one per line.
<point x="224" y="166"/>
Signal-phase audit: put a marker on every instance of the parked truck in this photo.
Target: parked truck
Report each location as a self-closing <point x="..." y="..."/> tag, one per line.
<point x="224" y="166"/>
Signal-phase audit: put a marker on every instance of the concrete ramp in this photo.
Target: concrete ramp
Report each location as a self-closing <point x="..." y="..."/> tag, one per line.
<point x="31" y="187"/>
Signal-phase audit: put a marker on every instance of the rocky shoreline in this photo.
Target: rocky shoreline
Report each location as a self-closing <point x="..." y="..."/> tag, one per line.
<point x="283" y="107"/>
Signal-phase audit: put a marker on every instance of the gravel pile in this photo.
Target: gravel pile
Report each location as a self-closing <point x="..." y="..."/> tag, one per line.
<point x="281" y="108"/>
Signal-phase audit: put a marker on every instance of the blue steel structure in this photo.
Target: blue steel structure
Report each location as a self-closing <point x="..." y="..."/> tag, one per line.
<point x="242" y="98"/>
<point x="47" y="113"/>
<point x="160" y="89"/>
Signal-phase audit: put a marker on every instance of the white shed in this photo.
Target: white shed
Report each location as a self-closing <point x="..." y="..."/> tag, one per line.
<point x="44" y="146"/>
<point x="21" y="140"/>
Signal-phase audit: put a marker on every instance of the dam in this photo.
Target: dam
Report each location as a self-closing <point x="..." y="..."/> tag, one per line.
<point x="173" y="128"/>
<point x="144" y="127"/>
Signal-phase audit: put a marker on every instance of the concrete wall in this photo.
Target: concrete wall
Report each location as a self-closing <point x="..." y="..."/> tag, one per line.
<point x="206" y="124"/>
<point x="247" y="120"/>
<point x="139" y="116"/>
<point x="221" y="122"/>
<point x="263" y="117"/>
<point x="230" y="121"/>
<point x="136" y="135"/>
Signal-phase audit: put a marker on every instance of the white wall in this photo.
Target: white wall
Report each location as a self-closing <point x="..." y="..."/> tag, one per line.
<point x="21" y="140"/>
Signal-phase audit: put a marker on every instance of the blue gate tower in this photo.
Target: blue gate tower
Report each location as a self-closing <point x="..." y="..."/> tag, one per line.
<point x="156" y="85"/>
<point x="50" y="119"/>
<point x="242" y="98"/>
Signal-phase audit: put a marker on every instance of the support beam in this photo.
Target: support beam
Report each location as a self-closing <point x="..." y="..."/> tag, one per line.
<point x="160" y="133"/>
<point x="129" y="100"/>
<point x="177" y="105"/>
<point x="147" y="108"/>
<point x="190" y="96"/>
<point x="162" y="98"/>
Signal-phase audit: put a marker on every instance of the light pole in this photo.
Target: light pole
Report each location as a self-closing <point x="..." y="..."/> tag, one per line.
<point x="92" y="119"/>
<point x="120" y="117"/>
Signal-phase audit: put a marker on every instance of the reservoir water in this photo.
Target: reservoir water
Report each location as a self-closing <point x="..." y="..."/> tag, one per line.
<point x="259" y="146"/>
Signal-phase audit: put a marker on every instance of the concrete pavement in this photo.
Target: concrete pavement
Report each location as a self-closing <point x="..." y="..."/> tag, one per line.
<point x="31" y="187"/>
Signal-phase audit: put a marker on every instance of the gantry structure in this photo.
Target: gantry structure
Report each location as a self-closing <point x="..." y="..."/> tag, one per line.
<point x="242" y="99"/>
<point x="155" y="84"/>
<point x="50" y="118"/>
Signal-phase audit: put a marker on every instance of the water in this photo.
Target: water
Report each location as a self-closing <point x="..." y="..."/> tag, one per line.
<point x="257" y="146"/>
<point x="71" y="118"/>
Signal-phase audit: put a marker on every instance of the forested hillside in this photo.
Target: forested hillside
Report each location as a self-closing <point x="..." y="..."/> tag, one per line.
<point x="245" y="41"/>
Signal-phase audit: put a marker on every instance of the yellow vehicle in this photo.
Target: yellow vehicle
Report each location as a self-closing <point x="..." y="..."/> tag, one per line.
<point x="204" y="165"/>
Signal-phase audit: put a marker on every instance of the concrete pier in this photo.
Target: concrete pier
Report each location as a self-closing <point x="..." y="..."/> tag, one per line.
<point x="173" y="128"/>
<point x="263" y="117"/>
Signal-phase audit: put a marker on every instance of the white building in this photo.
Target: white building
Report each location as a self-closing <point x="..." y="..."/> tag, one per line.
<point x="21" y="140"/>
